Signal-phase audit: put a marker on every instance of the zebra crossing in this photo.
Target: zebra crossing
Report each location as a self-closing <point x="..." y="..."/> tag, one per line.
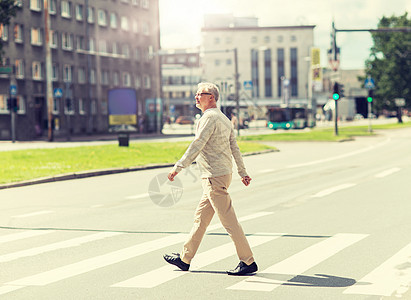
<point x="391" y="277"/>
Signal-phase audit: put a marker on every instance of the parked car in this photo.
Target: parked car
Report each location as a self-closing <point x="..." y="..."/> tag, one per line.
<point x="185" y="120"/>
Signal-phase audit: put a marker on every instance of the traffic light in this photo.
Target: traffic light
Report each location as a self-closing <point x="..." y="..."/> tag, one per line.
<point x="336" y="92"/>
<point x="370" y="96"/>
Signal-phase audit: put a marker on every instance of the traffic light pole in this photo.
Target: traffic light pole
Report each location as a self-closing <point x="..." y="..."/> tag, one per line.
<point x="336" y="119"/>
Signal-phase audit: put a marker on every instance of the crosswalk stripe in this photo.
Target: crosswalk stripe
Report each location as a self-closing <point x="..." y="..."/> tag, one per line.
<point x="59" y="245"/>
<point x="166" y="273"/>
<point x="104" y="260"/>
<point x="298" y="263"/>
<point x="394" y="275"/>
<point x="23" y="235"/>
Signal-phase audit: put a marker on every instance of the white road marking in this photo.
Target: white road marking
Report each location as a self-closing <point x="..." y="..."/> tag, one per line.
<point x="104" y="260"/>
<point x="266" y="171"/>
<point x="320" y="161"/>
<point x="37" y="213"/>
<point x="394" y="275"/>
<point x="333" y="189"/>
<point x="161" y="275"/>
<point x="298" y="263"/>
<point x="387" y="172"/>
<point x="59" y="245"/>
<point x="140" y="196"/>
<point x="23" y="235"/>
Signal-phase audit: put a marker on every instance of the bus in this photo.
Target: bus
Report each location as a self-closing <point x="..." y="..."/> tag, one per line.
<point x="286" y="118"/>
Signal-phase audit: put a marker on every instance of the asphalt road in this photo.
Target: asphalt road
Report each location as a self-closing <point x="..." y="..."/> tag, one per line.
<point x="325" y="221"/>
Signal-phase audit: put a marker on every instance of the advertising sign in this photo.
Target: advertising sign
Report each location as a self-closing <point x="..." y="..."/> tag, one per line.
<point x="122" y="106"/>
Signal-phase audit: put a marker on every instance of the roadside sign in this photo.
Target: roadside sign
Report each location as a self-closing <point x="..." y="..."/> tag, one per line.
<point x="369" y="83"/>
<point x="58" y="93"/>
<point x="6" y="70"/>
<point x="13" y="90"/>
<point x="400" y="102"/>
<point x="248" y="85"/>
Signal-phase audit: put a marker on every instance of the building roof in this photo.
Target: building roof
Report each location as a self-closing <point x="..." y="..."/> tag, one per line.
<point x="258" y="28"/>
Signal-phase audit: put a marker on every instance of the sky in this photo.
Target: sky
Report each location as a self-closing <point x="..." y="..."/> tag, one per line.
<point x="181" y="21"/>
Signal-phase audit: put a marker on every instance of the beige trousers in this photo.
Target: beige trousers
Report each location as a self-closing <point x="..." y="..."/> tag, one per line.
<point x="216" y="199"/>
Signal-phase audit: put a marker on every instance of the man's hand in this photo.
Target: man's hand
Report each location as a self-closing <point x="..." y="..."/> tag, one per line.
<point x="171" y="175"/>
<point x="246" y="180"/>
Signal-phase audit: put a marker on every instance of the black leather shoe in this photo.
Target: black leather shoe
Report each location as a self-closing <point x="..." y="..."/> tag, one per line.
<point x="243" y="269"/>
<point x="175" y="259"/>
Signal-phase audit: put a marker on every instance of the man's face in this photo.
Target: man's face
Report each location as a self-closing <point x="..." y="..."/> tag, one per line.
<point x="202" y="99"/>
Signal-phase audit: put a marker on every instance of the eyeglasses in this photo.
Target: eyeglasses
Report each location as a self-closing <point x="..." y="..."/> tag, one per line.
<point x="201" y="94"/>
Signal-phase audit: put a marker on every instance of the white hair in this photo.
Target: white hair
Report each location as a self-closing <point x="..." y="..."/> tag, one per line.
<point x="209" y="87"/>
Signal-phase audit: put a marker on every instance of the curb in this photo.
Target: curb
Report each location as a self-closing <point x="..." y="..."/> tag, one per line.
<point x="93" y="173"/>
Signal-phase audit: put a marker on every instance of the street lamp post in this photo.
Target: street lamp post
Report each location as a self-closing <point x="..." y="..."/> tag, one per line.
<point x="49" y="84"/>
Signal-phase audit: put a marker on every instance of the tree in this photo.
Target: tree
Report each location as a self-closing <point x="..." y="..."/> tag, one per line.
<point x="389" y="64"/>
<point x="8" y="9"/>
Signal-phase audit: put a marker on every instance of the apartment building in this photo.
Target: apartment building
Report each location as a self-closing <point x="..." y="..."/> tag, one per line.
<point x="96" y="45"/>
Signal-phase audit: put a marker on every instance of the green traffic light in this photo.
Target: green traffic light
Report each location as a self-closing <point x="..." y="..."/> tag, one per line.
<point x="369" y="99"/>
<point x="336" y="96"/>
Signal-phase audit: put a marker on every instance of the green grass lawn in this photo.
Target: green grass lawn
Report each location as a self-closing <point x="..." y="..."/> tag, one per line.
<point x="30" y="164"/>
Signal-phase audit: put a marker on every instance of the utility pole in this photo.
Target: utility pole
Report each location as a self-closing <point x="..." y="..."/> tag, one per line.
<point x="49" y="84"/>
<point x="236" y="87"/>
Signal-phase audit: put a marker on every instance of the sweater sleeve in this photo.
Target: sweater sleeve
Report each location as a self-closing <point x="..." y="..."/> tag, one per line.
<point x="235" y="150"/>
<point x="204" y="131"/>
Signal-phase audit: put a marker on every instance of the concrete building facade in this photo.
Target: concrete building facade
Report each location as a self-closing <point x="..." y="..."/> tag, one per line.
<point x="96" y="45"/>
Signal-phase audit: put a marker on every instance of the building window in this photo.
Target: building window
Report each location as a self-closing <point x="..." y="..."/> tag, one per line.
<point x="254" y="39"/>
<point x="126" y="79"/>
<point x="216" y="40"/>
<point x="66" y="41"/>
<point x="52" y="7"/>
<point x="102" y="18"/>
<point x="69" y="106"/>
<point x="280" y="70"/>
<point x="116" y="79"/>
<point x="81" y="106"/>
<point x="35" y="5"/>
<point x="21" y="105"/>
<point x="3" y="104"/>
<point x="19" y="68"/>
<point x="81" y="75"/>
<point x="267" y="39"/>
<point x="254" y="73"/>
<point x="81" y="44"/>
<point x="36" y="70"/>
<point x="267" y="73"/>
<point x="280" y="38"/>
<point x="146" y="82"/>
<point x="93" y="76"/>
<point x="102" y="46"/>
<point x="293" y="38"/>
<point x="90" y="15"/>
<point x="294" y="72"/>
<point x="4" y="30"/>
<point x="93" y="107"/>
<point x="126" y="51"/>
<point x="229" y="62"/>
<point x="79" y="12"/>
<point x="18" y="33"/>
<point x="145" y="4"/>
<point x="54" y="39"/>
<point x="54" y="72"/>
<point x="146" y="28"/>
<point x="113" y="20"/>
<point x="67" y="73"/>
<point x="36" y="37"/>
<point x="134" y="2"/>
<point x="217" y="62"/>
<point x="65" y="9"/>
<point x="104" y="77"/>
<point x="124" y="23"/>
<point x="137" y="82"/>
<point x="91" y="45"/>
<point x="115" y="48"/>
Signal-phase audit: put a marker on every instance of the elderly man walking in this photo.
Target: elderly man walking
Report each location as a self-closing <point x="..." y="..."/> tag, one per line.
<point x="213" y="147"/>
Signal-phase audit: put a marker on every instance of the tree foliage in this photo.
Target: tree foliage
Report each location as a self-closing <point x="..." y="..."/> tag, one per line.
<point x="389" y="63"/>
<point x="8" y="9"/>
